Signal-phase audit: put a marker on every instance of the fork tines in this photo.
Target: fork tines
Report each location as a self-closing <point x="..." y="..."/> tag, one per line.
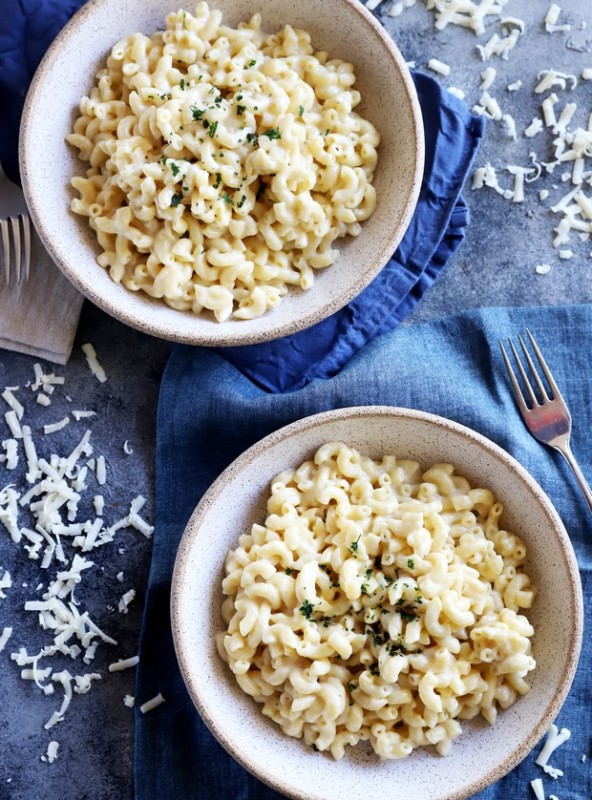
<point x="15" y="237"/>
<point x="544" y="394"/>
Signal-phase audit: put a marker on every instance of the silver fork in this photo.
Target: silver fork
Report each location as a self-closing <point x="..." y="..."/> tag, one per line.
<point x="15" y="230"/>
<point x="546" y="416"/>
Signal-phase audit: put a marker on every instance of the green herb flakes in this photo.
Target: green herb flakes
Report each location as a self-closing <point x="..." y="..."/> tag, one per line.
<point x="306" y="609"/>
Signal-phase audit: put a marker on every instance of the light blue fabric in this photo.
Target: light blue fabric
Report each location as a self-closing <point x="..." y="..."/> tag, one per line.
<point x="209" y="413"/>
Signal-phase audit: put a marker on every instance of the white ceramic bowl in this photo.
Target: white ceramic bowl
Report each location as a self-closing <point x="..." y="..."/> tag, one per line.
<point x="346" y="30"/>
<point x="483" y="753"/>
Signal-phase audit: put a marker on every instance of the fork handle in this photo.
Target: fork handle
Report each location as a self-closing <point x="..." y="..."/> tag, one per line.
<point x="565" y="451"/>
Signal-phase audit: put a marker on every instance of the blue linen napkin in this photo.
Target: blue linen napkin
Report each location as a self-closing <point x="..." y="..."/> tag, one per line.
<point x="27" y="28"/>
<point x="209" y="412"/>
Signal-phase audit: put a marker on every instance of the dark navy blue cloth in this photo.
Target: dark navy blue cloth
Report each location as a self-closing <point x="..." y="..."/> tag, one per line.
<point x="27" y="28"/>
<point x="209" y="413"/>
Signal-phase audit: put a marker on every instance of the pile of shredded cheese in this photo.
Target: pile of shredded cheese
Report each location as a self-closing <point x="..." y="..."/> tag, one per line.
<point x="558" y="173"/>
<point x="53" y="509"/>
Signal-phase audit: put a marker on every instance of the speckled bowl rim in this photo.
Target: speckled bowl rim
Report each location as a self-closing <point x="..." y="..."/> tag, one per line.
<point x="495" y="451"/>
<point x="238" y="332"/>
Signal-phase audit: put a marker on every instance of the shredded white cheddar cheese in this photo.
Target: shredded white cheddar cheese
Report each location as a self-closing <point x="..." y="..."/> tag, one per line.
<point x="125" y="663"/>
<point x="93" y="362"/>
<point x="126" y="600"/>
<point x="151" y="704"/>
<point x="537" y="788"/>
<point x="52" y="752"/>
<point x="5" y="636"/>
<point x="555" y="738"/>
<point x="438" y="66"/>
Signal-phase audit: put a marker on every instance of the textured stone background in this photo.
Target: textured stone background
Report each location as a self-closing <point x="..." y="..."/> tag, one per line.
<point x="495" y="266"/>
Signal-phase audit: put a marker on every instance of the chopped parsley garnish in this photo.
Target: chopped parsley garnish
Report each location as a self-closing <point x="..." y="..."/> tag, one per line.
<point x="251" y="63"/>
<point x="306" y="609"/>
<point x="182" y="84"/>
<point x="252" y="138"/>
<point x="175" y="169"/>
<point x="218" y="180"/>
<point x="176" y="199"/>
<point x="300" y="110"/>
<point x="288" y="570"/>
<point x="213" y="128"/>
<point x="411" y="563"/>
<point x="353" y="548"/>
<point x="197" y="113"/>
<point x="272" y="133"/>
<point x="240" y="109"/>
<point x="227" y="198"/>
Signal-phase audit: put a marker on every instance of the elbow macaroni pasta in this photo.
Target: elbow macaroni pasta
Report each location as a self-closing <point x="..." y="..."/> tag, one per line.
<point x="222" y="163"/>
<point x="377" y="603"/>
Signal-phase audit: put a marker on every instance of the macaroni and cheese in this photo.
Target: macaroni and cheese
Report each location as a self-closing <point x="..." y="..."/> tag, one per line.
<point x="223" y="163"/>
<point x="377" y="602"/>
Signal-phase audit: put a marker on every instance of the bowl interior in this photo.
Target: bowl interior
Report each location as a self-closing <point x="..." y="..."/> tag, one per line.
<point x="48" y="163"/>
<point x="483" y="753"/>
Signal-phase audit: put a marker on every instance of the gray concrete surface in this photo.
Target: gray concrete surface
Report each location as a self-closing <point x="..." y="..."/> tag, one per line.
<point x="495" y="266"/>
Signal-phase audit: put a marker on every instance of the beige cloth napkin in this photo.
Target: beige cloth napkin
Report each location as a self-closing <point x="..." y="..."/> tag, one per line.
<point x="40" y="316"/>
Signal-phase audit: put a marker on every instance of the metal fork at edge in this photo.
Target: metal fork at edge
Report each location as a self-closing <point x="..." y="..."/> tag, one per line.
<point x="548" y="418"/>
<point x="15" y="230"/>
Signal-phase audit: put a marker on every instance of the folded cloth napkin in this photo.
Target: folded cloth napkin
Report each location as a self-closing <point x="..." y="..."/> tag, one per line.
<point x="38" y="316"/>
<point x="209" y="412"/>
